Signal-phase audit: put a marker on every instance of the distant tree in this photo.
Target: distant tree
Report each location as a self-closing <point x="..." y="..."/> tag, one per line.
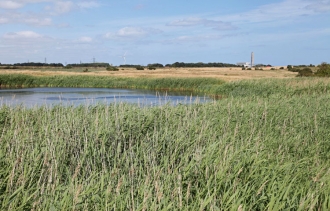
<point x="294" y="69"/>
<point x="140" y="68"/>
<point x="201" y="64"/>
<point x="305" y="72"/>
<point x="155" y="65"/>
<point x="68" y="67"/>
<point x="38" y="64"/>
<point x="323" y="70"/>
<point x="99" y="64"/>
<point x="130" y="65"/>
<point x="112" y="68"/>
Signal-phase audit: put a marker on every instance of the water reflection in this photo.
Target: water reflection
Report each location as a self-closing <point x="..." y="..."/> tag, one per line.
<point x="77" y="96"/>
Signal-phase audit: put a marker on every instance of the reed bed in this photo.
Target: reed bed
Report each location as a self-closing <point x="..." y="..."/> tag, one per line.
<point x="19" y="80"/>
<point x="239" y="153"/>
<point x="208" y="86"/>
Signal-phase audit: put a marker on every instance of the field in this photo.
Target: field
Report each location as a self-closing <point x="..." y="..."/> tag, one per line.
<point x="226" y="74"/>
<point x="263" y="146"/>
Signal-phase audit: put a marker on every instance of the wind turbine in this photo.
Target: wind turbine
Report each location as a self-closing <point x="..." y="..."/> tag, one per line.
<point x="124" y="57"/>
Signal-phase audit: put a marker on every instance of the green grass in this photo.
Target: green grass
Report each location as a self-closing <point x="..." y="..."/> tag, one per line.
<point x="19" y="80"/>
<point x="209" y="86"/>
<point x="263" y="147"/>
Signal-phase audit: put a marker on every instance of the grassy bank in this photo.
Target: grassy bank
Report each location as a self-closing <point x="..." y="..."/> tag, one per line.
<point x="209" y="86"/>
<point x="237" y="153"/>
<point x="172" y="84"/>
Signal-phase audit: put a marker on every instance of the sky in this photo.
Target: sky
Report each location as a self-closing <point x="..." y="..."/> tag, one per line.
<point x="279" y="32"/>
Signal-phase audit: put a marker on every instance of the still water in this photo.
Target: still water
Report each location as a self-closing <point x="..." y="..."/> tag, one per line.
<point x="30" y="97"/>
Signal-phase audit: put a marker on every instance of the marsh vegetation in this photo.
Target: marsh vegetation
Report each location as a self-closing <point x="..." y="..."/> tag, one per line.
<point x="263" y="146"/>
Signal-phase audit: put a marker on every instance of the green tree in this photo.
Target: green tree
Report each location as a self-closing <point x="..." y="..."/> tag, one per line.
<point x="306" y="72"/>
<point x="324" y="70"/>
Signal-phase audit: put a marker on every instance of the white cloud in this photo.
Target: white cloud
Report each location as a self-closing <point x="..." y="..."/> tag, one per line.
<point x="3" y="20"/>
<point x="219" y="25"/>
<point x="22" y="35"/>
<point x="24" y="45"/>
<point x="131" y="33"/>
<point x="16" y="4"/>
<point x="41" y="18"/>
<point x="279" y="13"/>
<point x="319" y="6"/>
<point x="10" y="5"/>
<point x="182" y="39"/>
<point x="88" y="4"/>
<point x="39" y="21"/>
<point x="63" y="25"/>
<point x="193" y="38"/>
<point x="139" y="7"/>
<point x="61" y="7"/>
<point x="30" y="19"/>
<point x="186" y="22"/>
<point x="85" y="39"/>
<point x="32" y="1"/>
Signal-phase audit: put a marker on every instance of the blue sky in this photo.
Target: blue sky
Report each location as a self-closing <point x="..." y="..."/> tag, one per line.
<point x="279" y="32"/>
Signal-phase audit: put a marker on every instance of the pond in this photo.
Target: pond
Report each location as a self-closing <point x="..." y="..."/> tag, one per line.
<point x="30" y="97"/>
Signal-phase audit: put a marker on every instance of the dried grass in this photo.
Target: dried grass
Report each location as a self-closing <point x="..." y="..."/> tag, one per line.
<point x="227" y="74"/>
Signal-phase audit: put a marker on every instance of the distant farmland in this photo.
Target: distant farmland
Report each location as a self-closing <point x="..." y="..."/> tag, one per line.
<point x="227" y="74"/>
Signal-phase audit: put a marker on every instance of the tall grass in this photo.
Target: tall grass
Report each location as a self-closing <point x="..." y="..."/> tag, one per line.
<point x="209" y="86"/>
<point x="19" y="80"/>
<point x="269" y="87"/>
<point x="240" y="153"/>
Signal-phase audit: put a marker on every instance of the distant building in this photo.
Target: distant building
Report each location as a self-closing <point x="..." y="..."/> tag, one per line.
<point x="243" y="64"/>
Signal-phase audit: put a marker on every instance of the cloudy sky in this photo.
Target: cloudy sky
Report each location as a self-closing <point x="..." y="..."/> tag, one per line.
<point x="279" y="32"/>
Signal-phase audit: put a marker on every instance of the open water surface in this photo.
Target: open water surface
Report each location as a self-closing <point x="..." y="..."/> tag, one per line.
<point x="30" y="97"/>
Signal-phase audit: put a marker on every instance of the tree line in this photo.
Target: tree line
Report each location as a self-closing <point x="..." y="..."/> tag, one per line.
<point x="96" y="64"/>
<point x="34" y="64"/>
<point x="183" y="64"/>
<point x="201" y="64"/>
<point x="39" y="64"/>
<point x="323" y="70"/>
<point x="103" y="64"/>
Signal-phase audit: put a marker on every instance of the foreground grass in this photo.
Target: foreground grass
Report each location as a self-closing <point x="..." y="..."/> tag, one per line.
<point x="240" y="153"/>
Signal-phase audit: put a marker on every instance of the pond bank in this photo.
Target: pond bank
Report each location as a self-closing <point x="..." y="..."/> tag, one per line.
<point x="206" y="86"/>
